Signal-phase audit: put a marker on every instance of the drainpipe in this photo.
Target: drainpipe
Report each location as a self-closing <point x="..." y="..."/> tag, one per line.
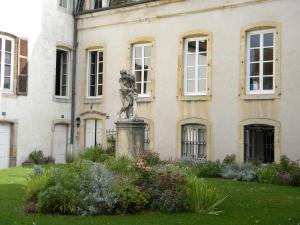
<point x="75" y="44"/>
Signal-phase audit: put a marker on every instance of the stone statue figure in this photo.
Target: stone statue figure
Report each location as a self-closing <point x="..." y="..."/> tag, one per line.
<point x="128" y="94"/>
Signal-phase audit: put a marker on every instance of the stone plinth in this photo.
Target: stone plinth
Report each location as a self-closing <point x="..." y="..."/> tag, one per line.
<point x="130" y="137"/>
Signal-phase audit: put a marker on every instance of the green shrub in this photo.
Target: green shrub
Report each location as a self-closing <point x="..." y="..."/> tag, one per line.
<point x="229" y="159"/>
<point x="96" y="154"/>
<point x="169" y="193"/>
<point x="130" y="199"/>
<point x="36" y="156"/>
<point x="202" y="197"/>
<point x="35" y="183"/>
<point x="285" y="164"/>
<point x="295" y="174"/>
<point x="121" y="165"/>
<point x="267" y="174"/>
<point x="70" y="158"/>
<point x="208" y="169"/>
<point x="61" y="192"/>
<point x="150" y="158"/>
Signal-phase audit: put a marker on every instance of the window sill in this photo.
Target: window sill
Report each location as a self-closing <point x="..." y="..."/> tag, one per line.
<point x="145" y="99"/>
<point x="93" y="100"/>
<point x="7" y="94"/>
<point x="61" y="99"/>
<point x="194" y="98"/>
<point x="260" y="96"/>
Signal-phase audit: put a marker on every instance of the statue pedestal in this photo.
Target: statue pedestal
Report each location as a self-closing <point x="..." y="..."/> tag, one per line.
<point x="130" y="137"/>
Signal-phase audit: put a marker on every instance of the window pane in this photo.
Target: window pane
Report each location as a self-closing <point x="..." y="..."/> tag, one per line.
<point x="64" y="68"/>
<point x="146" y="76"/>
<point x="254" y="41"/>
<point x="202" y="72"/>
<point x="202" y="85"/>
<point x="268" y="68"/>
<point x="138" y="64"/>
<point x="192" y="46"/>
<point x="254" y="55"/>
<point x="147" y="86"/>
<point x="64" y="80"/>
<point x="92" y="80"/>
<point x="99" y="89"/>
<point x="268" y="39"/>
<point x="254" y="69"/>
<point x="7" y="82"/>
<point x="138" y="52"/>
<point x="7" y="70"/>
<point x="202" y="46"/>
<point x="93" y="57"/>
<point x="100" y="79"/>
<point x="202" y="59"/>
<point x="268" y="54"/>
<point x="7" y="58"/>
<point x="268" y="83"/>
<point x="191" y="59"/>
<point x="254" y="83"/>
<point x="191" y="72"/>
<point x="64" y="91"/>
<point x="92" y="91"/>
<point x="138" y="76"/>
<point x="147" y="51"/>
<point x="7" y="45"/>
<point x="139" y="88"/>
<point x="100" y="56"/>
<point x="147" y="63"/>
<point x="190" y="85"/>
<point x="100" y="67"/>
<point x="93" y="68"/>
<point x="0" y="44"/>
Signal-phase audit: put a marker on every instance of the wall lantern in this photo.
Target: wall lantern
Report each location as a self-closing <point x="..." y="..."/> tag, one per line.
<point x="78" y="122"/>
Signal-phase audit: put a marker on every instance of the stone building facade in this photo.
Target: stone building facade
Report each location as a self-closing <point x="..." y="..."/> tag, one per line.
<point x="214" y="77"/>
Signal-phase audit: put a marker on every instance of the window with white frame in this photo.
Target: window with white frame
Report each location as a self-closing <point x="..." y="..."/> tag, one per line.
<point x="7" y="46"/>
<point x="195" y="66"/>
<point x="63" y="3"/>
<point x="62" y="73"/>
<point x="141" y="68"/>
<point x="95" y="73"/>
<point x="260" y="62"/>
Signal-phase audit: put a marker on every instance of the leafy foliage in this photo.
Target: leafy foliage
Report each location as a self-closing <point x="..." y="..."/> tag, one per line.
<point x="36" y="156"/>
<point x="208" y="169"/>
<point x="202" y="197"/>
<point x="96" y="154"/>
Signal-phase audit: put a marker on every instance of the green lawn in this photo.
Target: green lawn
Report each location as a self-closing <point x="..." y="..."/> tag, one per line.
<point x="249" y="203"/>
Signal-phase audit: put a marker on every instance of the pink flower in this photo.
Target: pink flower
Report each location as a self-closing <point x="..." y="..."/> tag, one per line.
<point x="140" y="163"/>
<point x="148" y="169"/>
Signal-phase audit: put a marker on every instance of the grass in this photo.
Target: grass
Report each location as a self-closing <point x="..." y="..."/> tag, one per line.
<point x="248" y="203"/>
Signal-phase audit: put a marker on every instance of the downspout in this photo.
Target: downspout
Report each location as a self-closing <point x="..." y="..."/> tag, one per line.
<point x="75" y="44"/>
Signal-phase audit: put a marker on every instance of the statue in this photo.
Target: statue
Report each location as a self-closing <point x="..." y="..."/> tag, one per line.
<point x="128" y="94"/>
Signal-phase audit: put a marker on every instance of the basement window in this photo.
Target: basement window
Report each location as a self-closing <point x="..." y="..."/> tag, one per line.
<point x="63" y="3"/>
<point x="98" y="4"/>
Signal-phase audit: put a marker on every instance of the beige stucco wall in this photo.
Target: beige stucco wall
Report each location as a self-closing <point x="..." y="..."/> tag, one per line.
<point x="166" y="22"/>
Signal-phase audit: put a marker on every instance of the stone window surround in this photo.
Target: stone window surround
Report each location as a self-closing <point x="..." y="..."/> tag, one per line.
<point x="262" y="121"/>
<point x="85" y="67"/>
<point x="243" y="60"/>
<point x="143" y="40"/>
<point x="64" y="99"/>
<point x="81" y="130"/>
<point x="200" y="121"/>
<point x="180" y="74"/>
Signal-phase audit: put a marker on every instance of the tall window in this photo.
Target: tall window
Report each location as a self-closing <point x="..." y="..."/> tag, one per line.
<point x="95" y="73"/>
<point x="62" y="73"/>
<point x="6" y="62"/>
<point x="260" y="62"/>
<point x="195" y="66"/>
<point x="141" y="67"/>
<point x="193" y="143"/>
